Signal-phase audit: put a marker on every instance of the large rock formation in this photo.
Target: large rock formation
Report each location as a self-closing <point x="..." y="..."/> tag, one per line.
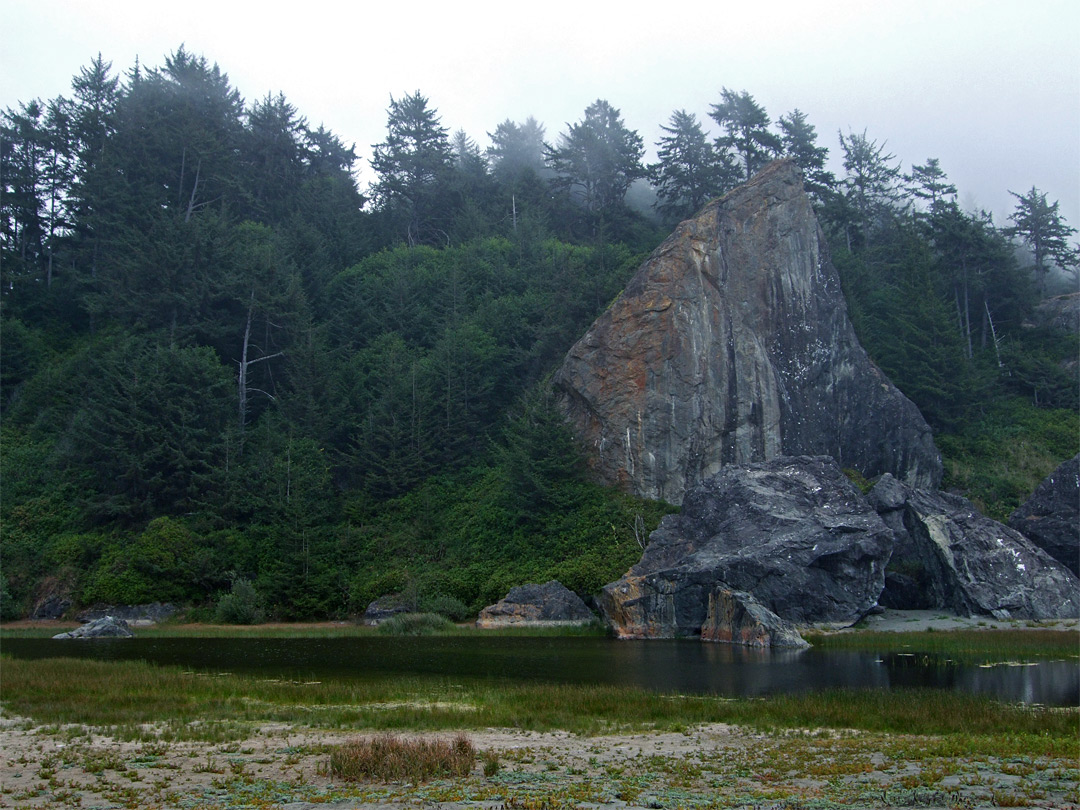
<point x="732" y="345"/>
<point x="794" y="532"/>
<point x="549" y="604"/>
<point x="955" y="558"/>
<point x="1050" y="518"/>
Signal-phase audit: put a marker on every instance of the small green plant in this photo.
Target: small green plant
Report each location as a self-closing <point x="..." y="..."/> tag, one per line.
<point x="491" y="763"/>
<point x="241" y="605"/>
<point x="415" y="624"/>
<point x="388" y="758"/>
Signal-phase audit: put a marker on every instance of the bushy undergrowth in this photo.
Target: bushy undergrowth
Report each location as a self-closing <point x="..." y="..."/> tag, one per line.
<point x="241" y="605"/>
<point x="390" y="758"/>
<point x="415" y="624"/>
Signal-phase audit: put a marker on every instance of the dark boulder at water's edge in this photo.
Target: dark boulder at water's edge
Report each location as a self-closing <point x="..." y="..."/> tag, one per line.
<point x="793" y="532"/>
<point x="965" y="562"/>
<point x="549" y="604"/>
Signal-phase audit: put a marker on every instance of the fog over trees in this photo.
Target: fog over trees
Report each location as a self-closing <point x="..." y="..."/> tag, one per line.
<point x="225" y="361"/>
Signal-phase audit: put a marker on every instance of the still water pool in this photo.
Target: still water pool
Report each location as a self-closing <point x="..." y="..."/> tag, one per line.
<point x="664" y="666"/>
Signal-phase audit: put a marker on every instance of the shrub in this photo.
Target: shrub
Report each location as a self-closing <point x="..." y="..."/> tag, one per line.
<point x="415" y="624"/>
<point x="240" y="606"/>
<point x="391" y="758"/>
<point x="449" y="606"/>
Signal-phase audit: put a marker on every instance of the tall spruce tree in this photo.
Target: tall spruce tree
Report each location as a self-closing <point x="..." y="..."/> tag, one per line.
<point x="413" y="165"/>
<point x="689" y="171"/>
<point x="747" y="126"/>
<point x="1041" y="227"/>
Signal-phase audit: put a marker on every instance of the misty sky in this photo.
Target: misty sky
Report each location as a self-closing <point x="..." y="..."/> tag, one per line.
<point x="992" y="89"/>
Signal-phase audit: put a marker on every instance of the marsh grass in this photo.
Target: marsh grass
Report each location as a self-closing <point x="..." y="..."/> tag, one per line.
<point x="1002" y="645"/>
<point x="416" y="624"/>
<point x="316" y="630"/>
<point x="137" y="700"/>
<point x="388" y="758"/>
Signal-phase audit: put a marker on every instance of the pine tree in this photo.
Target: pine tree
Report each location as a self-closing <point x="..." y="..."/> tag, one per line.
<point x="413" y="165"/>
<point x="747" y="126"/>
<point x="1042" y="228"/>
<point x="799" y="139"/>
<point x="690" y="171"/>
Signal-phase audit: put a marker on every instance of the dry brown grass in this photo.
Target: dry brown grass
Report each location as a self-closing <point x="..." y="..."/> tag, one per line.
<point x="388" y="758"/>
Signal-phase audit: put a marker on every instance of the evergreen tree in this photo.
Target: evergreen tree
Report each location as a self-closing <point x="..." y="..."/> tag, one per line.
<point x="413" y="164"/>
<point x="930" y="183"/>
<point x="747" y="126"/>
<point x="799" y="138"/>
<point x="516" y="149"/>
<point x="1042" y="228"/>
<point x="597" y="159"/>
<point x="870" y="186"/>
<point x="689" y="171"/>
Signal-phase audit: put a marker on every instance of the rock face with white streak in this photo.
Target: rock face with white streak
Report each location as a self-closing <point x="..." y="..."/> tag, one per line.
<point x="965" y="562"/>
<point x="732" y="345"/>
<point x="1050" y="518"/>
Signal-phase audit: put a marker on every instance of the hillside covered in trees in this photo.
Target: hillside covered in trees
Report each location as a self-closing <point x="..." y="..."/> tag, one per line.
<point x="227" y="366"/>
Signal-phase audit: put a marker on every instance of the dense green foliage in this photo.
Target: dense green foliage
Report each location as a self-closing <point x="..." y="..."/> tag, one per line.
<point x="231" y="379"/>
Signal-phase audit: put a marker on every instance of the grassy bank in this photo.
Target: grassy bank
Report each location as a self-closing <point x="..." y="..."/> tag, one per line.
<point x="1000" y="644"/>
<point x="179" y="704"/>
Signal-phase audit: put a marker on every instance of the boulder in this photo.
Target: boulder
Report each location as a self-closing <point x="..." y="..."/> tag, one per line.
<point x="133" y="615"/>
<point x="793" y="531"/>
<point x="965" y="562"/>
<point x="105" y="627"/>
<point x="732" y="345"/>
<point x="383" y="608"/>
<point x="1050" y="518"/>
<point x="736" y="617"/>
<point x="550" y="604"/>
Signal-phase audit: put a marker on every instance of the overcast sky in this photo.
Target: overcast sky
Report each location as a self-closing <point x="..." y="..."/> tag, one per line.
<point x="991" y="89"/>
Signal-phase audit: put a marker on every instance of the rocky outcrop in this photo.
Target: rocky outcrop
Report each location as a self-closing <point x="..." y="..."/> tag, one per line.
<point x="385" y="607"/>
<point x="132" y="615"/>
<point x="1050" y="518"/>
<point x="963" y="561"/>
<point x="736" y="617"/>
<point x="732" y="345"/>
<point x="549" y="604"/>
<point x="105" y="627"/>
<point x="794" y="532"/>
<point x="1059" y="312"/>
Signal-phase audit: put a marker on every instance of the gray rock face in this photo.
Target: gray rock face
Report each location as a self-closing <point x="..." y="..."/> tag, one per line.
<point x="133" y="615"/>
<point x="736" y="617"/>
<point x="105" y="627"/>
<point x="732" y="345"/>
<point x="965" y="562"/>
<point x="794" y="532"/>
<point x="385" y="607"/>
<point x="549" y="604"/>
<point x="52" y="606"/>
<point x="1050" y="518"/>
<point x="1059" y="312"/>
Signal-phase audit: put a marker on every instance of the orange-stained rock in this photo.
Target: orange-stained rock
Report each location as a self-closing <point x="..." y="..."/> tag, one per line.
<point x="732" y="345"/>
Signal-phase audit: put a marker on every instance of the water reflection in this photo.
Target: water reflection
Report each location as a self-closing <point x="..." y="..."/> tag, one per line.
<point x="658" y="665"/>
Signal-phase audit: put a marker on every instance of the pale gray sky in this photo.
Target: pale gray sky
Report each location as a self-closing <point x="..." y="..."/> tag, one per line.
<point x="992" y="89"/>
